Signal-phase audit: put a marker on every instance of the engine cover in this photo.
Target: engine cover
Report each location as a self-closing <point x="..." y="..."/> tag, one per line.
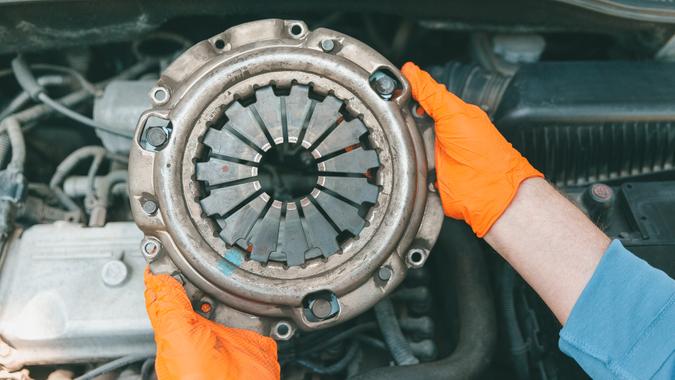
<point x="281" y="177"/>
<point x="73" y="294"/>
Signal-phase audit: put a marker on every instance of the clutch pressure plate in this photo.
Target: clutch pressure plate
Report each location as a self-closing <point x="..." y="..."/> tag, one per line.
<point x="281" y="178"/>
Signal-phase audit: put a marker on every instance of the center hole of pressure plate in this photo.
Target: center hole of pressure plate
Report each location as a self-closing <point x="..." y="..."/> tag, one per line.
<point x="287" y="172"/>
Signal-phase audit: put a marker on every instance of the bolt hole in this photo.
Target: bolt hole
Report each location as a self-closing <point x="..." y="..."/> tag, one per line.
<point x="283" y="329"/>
<point x="219" y="44"/>
<point x="160" y="95"/>
<point x="418" y="111"/>
<point x="296" y="30"/>
<point x="416" y="257"/>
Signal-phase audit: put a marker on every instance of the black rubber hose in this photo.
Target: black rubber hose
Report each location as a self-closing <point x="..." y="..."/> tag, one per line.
<point x="5" y="149"/>
<point x="148" y="369"/>
<point x="476" y="314"/>
<point x="392" y="334"/>
<point x="334" y="368"/>
<point x="517" y="345"/>
<point x="322" y="341"/>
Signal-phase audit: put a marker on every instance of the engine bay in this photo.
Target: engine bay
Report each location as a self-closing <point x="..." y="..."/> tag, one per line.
<point x="274" y="163"/>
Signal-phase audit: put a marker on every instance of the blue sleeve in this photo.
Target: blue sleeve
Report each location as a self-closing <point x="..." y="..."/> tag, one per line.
<point x="623" y="324"/>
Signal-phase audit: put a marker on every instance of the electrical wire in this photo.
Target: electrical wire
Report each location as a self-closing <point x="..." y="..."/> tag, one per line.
<point x="372" y="342"/>
<point x="91" y="175"/>
<point x="112" y="366"/>
<point x="39" y="111"/>
<point x="29" y="84"/>
<point x="65" y="167"/>
<point x="65" y="111"/>
<point x="84" y="83"/>
<point x="18" y="144"/>
<point x="23" y="97"/>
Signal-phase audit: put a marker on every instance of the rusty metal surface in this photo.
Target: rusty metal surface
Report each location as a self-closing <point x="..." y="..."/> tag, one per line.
<point x="263" y="269"/>
<point x="232" y="179"/>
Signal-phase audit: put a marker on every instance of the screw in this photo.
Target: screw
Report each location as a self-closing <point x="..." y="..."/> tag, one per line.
<point x="383" y="84"/>
<point x="205" y="307"/>
<point x="327" y="45"/>
<point x="384" y="273"/>
<point x="601" y="192"/>
<point x="178" y="277"/>
<point x="151" y="248"/>
<point x="149" y="206"/>
<point x="321" y="308"/>
<point x="156" y="136"/>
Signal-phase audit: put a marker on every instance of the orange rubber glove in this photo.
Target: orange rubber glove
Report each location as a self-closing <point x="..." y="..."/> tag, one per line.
<point x="190" y="346"/>
<point x="478" y="171"/>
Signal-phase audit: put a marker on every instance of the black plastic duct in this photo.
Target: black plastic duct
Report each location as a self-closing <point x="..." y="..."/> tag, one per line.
<point x="580" y="122"/>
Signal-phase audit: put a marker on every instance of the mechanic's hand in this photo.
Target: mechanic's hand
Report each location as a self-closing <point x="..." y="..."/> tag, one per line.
<point x="190" y="346"/>
<point x="478" y="171"/>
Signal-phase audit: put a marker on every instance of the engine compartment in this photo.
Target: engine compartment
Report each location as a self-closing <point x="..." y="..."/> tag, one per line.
<point x="280" y="171"/>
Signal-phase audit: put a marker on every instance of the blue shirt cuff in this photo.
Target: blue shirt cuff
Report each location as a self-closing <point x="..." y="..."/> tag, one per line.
<point x="623" y="324"/>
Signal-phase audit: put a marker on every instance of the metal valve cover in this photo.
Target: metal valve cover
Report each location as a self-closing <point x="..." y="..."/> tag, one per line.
<point x="281" y="177"/>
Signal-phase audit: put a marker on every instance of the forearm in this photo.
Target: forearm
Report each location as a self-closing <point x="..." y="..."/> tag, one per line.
<point x="550" y="242"/>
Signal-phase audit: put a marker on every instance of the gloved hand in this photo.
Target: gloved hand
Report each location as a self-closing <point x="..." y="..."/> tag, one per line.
<point x="190" y="346"/>
<point x="478" y="171"/>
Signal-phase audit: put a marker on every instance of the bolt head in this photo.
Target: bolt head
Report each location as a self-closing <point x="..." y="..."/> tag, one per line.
<point x="321" y="308"/>
<point x="327" y="45"/>
<point x="150" y="248"/>
<point x="149" y="206"/>
<point x="156" y="136"/>
<point x="385" y="273"/>
<point x="384" y="85"/>
<point x="205" y="307"/>
<point x="601" y="193"/>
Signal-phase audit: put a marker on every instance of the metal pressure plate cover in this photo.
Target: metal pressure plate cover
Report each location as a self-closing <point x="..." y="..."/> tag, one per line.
<point x="277" y="172"/>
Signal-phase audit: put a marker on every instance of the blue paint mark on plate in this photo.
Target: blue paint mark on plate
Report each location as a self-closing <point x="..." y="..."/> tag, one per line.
<point x="232" y="261"/>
